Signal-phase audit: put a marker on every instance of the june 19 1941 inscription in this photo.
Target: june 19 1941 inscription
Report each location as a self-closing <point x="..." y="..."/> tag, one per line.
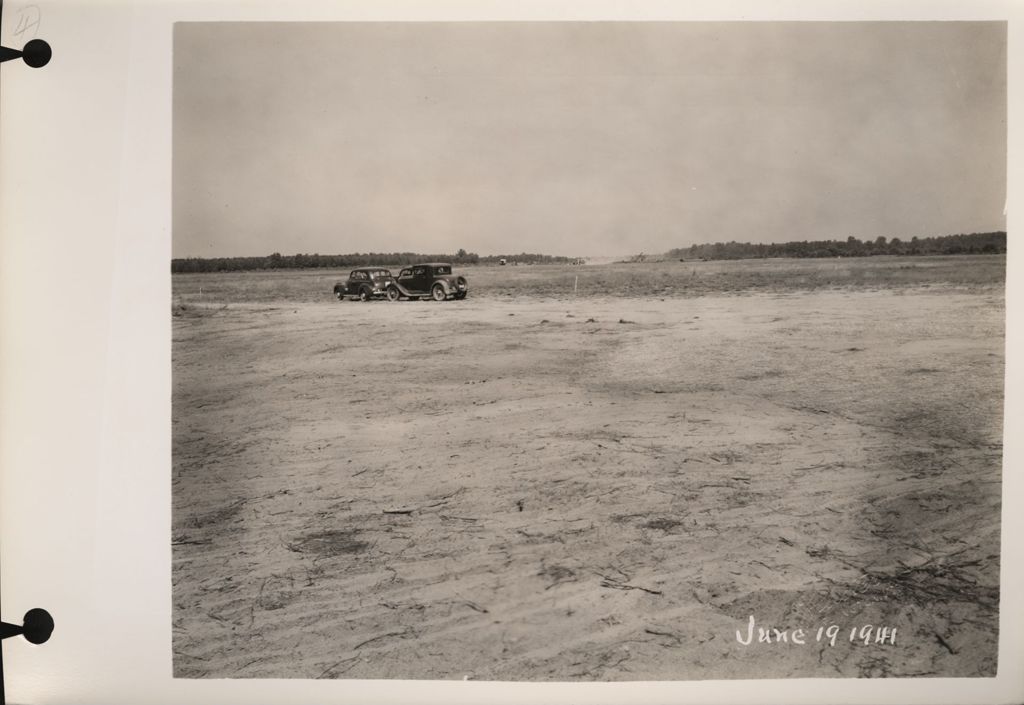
<point x="864" y="634"/>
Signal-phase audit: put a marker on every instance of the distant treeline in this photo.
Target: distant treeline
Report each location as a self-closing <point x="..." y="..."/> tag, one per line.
<point x="358" y="259"/>
<point x="972" y="244"/>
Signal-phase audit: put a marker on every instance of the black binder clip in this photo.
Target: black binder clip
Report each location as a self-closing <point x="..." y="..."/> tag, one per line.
<point x="36" y="627"/>
<point x="36" y="53"/>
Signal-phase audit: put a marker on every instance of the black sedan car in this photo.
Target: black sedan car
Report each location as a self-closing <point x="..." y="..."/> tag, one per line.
<point x="365" y="283"/>
<point x="434" y="279"/>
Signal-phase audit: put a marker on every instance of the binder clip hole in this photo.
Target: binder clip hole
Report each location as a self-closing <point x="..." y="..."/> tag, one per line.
<point x="36" y="53"/>
<point x="38" y="626"/>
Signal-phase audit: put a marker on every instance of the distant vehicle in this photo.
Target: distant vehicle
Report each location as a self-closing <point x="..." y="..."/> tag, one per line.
<point x="364" y="283"/>
<point x="502" y="262"/>
<point x="433" y="279"/>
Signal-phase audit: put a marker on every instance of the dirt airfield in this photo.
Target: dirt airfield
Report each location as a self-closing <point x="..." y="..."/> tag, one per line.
<point x="548" y="486"/>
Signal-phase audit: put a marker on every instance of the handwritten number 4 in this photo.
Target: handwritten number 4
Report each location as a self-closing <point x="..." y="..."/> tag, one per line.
<point x="28" y="19"/>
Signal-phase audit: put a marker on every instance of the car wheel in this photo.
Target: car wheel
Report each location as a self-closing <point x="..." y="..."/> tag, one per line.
<point x="393" y="293"/>
<point x="339" y="294"/>
<point x="461" y="295"/>
<point x="364" y="294"/>
<point x="438" y="293"/>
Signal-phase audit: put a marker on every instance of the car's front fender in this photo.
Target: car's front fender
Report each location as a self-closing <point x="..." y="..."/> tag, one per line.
<point x="401" y="289"/>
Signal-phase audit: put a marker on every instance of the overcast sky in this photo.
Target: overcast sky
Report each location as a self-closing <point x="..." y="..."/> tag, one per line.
<point x="582" y="138"/>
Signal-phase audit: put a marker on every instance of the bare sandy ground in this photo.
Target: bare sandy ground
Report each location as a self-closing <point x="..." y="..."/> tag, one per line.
<point x="588" y="489"/>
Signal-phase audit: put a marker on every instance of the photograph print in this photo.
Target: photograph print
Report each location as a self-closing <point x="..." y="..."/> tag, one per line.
<point x="587" y="351"/>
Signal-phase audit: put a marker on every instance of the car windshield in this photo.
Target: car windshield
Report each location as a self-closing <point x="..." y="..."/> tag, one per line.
<point x="442" y="270"/>
<point x="380" y="273"/>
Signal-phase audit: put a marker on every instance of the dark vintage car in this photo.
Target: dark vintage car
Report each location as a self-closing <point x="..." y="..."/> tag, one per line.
<point x="364" y="283"/>
<point x="434" y="279"/>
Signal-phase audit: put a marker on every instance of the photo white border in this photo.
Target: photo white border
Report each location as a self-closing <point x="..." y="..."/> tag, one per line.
<point x="85" y="360"/>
